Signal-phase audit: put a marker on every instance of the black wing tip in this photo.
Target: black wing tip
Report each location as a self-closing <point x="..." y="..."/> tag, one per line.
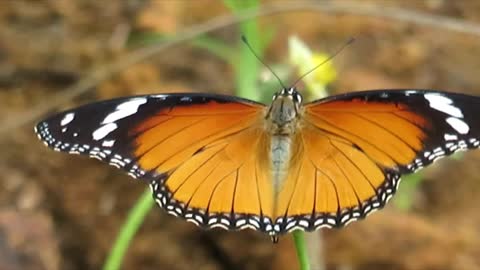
<point x="386" y="93"/>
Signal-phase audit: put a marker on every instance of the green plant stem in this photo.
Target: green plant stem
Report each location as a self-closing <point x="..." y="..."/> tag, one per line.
<point x="127" y="232"/>
<point x="405" y="194"/>
<point x="301" y="248"/>
<point x="246" y="73"/>
<point x="247" y="68"/>
<point x="246" y="65"/>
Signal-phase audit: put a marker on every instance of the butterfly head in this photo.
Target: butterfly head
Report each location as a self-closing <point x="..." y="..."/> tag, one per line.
<point x="291" y="93"/>
<point x="285" y="110"/>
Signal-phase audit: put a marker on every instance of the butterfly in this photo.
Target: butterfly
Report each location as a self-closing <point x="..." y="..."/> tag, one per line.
<point x="223" y="161"/>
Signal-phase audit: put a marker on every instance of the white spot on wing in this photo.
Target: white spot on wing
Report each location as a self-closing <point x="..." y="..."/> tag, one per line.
<point x="443" y="104"/>
<point x="457" y="124"/>
<point x="450" y="137"/>
<point x="103" y="131"/>
<point x="108" y="143"/>
<point x="124" y="109"/>
<point x="304" y="223"/>
<point x="67" y="119"/>
<point x="160" y="96"/>
<point x="410" y="92"/>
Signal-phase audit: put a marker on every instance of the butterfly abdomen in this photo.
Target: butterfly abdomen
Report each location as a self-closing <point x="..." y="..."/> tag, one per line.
<point x="280" y="152"/>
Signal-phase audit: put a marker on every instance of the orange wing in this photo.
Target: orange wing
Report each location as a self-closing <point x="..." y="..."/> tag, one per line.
<point x="209" y="159"/>
<point x="204" y="155"/>
<point x="354" y="148"/>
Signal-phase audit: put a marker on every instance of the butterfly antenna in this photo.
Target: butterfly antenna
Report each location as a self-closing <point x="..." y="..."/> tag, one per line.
<point x="350" y="41"/>
<point x="244" y="39"/>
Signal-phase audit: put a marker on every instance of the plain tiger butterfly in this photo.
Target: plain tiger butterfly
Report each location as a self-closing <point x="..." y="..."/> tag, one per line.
<point x="223" y="161"/>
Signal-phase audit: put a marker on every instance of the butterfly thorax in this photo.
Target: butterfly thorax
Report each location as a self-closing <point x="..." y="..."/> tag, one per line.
<point x="284" y="112"/>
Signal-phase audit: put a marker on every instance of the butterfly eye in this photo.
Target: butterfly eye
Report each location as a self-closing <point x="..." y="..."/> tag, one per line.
<point x="298" y="98"/>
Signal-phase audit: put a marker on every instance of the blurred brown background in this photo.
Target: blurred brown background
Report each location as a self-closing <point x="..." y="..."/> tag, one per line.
<point x="63" y="212"/>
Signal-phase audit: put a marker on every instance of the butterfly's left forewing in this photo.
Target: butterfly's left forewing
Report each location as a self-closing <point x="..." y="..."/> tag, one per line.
<point x="202" y="154"/>
<point x="354" y="148"/>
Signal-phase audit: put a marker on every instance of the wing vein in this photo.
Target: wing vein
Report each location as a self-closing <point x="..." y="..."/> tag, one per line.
<point x="387" y="130"/>
<point x="258" y="190"/>
<point x="356" y="166"/>
<point x="140" y="132"/>
<point x="170" y="136"/>
<point x="196" y="169"/>
<point x="235" y="192"/>
<point x="352" y="134"/>
<point x="189" y="145"/>
<point x="314" y="194"/>
<point x="215" y="189"/>
<point x="200" y="184"/>
<point x="294" y="189"/>
<point x="331" y="180"/>
<point x="408" y="120"/>
<point x="348" y="180"/>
